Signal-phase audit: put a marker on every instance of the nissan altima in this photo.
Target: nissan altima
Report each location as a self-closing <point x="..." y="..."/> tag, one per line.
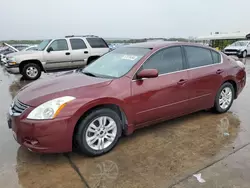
<point x="128" y="88"/>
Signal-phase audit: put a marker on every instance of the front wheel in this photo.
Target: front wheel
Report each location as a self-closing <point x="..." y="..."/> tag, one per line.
<point x="31" y="71"/>
<point x="244" y="54"/>
<point x="98" y="132"/>
<point x="224" y="98"/>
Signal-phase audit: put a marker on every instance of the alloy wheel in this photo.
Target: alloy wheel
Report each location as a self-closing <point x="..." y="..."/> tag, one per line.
<point x="226" y="97"/>
<point x="32" y="72"/>
<point x="101" y="133"/>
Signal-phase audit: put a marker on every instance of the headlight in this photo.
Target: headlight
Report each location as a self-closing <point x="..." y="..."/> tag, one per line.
<point x="50" y="109"/>
<point x="11" y="61"/>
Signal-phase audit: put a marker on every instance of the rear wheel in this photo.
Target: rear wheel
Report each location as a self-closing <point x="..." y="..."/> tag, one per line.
<point x="224" y="98"/>
<point x="91" y="60"/>
<point x="31" y="71"/>
<point x="98" y="132"/>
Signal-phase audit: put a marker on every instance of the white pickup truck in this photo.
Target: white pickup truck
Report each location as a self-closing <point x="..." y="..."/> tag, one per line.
<point x="66" y="53"/>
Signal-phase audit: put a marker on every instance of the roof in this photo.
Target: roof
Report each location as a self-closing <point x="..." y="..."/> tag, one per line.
<point x="235" y="35"/>
<point x="159" y="44"/>
<point x="151" y="44"/>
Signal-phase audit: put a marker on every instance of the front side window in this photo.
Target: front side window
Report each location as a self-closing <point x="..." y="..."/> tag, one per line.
<point x="77" y="44"/>
<point x="165" y="61"/>
<point x="197" y="56"/>
<point x="59" y="45"/>
<point x="116" y="63"/>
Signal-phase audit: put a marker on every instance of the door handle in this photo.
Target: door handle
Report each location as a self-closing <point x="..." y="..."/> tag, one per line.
<point x="86" y="52"/>
<point x="219" y="71"/>
<point x="67" y="53"/>
<point x="181" y="82"/>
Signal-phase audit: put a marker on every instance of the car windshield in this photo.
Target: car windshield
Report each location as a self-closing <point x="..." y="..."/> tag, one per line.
<point x="43" y="45"/>
<point x="240" y="43"/>
<point x="116" y="63"/>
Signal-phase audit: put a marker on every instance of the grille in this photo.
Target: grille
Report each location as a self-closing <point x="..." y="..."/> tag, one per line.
<point x="231" y="50"/>
<point x="18" y="107"/>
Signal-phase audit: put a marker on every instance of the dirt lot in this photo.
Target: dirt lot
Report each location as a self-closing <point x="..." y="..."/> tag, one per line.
<point x="162" y="156"/>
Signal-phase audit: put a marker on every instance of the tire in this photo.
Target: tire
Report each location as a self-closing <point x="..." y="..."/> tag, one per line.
<point x="219" y="105"/>
<point x="244" y="54"/>
<point x="92" y="60"/>
<point x="82" y="133"/>
<point x="32" y="67"/>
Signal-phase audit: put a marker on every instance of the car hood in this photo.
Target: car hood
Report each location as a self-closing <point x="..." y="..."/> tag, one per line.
<point x="69" y="84"/>
<point x="29" y="55"/>
<point x="235" y="47"/>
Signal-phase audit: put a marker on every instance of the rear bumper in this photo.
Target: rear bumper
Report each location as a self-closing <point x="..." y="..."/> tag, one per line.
<point x="42" y="136"/>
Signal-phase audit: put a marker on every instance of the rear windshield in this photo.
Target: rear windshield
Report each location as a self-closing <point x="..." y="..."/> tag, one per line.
<point x="117" y="62"/>
<point x="97" y="43"/>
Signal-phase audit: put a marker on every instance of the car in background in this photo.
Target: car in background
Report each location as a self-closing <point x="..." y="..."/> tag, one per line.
<point x="10" y="49"/>
<point x="5" y="58"/>
<point x="6" y="49"/>
<point x="126" y="89"/>
<point x="71" y="52"/>
<point x="239" y="48"/>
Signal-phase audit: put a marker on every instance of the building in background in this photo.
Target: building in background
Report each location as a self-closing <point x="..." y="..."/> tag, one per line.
<point x="220" y="40"/>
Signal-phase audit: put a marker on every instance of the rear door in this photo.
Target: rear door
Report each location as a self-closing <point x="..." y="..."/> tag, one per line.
<point x="59" y="57"/>
<point x="205" y="72"/>
<point x="80" y="52"/>
<point x="165" y="96"/>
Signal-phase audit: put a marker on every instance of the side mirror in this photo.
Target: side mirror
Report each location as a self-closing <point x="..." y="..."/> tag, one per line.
<point x="147" y="73"/>
<point x="49" y="49"/>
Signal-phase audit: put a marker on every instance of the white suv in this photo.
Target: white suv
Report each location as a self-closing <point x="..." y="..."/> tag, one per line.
<point x="70" y="52"/>
<point x="238" y="48"/>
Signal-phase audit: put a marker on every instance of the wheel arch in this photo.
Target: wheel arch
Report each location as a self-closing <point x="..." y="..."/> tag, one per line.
<point x="25" y="62"/>
<point x="112" y="104"/>
<point x="233" y="82"/>
<point x="91" y="58"/>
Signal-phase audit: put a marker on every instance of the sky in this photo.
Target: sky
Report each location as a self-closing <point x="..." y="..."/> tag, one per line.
<point x="42" y="19"/>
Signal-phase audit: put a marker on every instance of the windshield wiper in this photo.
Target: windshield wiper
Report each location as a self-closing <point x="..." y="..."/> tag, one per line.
<point x="89" y="73"/>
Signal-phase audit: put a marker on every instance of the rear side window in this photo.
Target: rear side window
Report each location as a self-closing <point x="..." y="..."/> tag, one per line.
<point x="77" y="44"/>
<point x="97" y="43"/>
<point x="198" y="57"/>
<point x="216" y="57"/>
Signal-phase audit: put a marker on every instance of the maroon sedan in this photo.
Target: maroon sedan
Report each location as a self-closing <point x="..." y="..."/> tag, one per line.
<point x="126" y="89"/>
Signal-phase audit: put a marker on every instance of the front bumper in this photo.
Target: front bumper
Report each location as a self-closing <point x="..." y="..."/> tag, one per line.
<point x="42" y="136"/>
<point x="13" y="69"/>
<point x="236" y="53"/>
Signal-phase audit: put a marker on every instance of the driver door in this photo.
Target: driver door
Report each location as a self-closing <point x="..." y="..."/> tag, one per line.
<point x="165" y="96"/>
<point x="57" y="55"/>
